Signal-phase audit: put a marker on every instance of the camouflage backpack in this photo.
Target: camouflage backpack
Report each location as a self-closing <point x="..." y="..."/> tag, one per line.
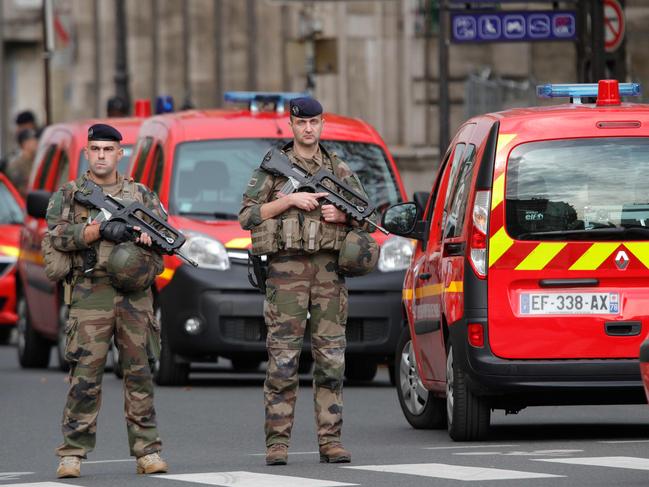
<point x="359" y="254"/>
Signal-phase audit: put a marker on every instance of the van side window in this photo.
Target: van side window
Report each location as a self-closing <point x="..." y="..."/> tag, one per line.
<point x="46" y="165"/>
<point x="155" y="175"/>
<point x="141" y="154"/>
<point x="63" y="171"/>
<point x="457" y="157"/>
<point x="459" y="194"/>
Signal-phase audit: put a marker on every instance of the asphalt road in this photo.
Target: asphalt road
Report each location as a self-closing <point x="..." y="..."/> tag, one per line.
<point x="213" y="434"/>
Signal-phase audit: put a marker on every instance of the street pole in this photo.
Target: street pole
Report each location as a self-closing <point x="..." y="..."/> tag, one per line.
<point x="97" y="54"/>
<point x="48" y="48"/>
<point x="444" y="111"/>
<point x="187" y="82"/>
<point x="598" y="60"/>
<point x="121" y="54"/>
<point x="252" y="44"/>
<point x="155" y="49"/>
<point x="3" y="88"/>
<point x="218" y="52"/>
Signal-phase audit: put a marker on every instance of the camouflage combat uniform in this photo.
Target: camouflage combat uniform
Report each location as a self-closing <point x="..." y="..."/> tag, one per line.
<point x="300" y="286"/>
<point x="98" y="312"/>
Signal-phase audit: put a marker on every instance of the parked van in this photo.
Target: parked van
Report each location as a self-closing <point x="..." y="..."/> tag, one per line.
<point x="528" y="285"/>
<point x="41" y="312"/>
<point x="199" y="163"/>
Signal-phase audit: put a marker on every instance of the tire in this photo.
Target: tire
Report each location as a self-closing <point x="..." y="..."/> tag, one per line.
<point x="468" y="414"/>
<point x="117" y="366"/>
<point x="245" y="364"/>
<point x="64" y="366"/>
<point x="421" y="409"/>
<point x="33" y="349"/>
<point x="360" y="369"/>
<point x="5" y="334"/>
<point x="167" y="371"/>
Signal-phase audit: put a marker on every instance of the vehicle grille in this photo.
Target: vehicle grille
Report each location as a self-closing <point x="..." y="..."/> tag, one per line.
<point x="252" y="329"/>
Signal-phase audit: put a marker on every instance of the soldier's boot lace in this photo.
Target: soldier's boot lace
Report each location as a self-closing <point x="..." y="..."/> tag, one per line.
<point x="151" y="463"/>
<point x="334" y="452"/>
<point x="277" y="454"/>
<point x="69" y="467"/>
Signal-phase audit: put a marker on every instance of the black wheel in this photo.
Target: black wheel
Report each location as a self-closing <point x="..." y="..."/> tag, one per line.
<point x="421" y="409"/>
<point x="245" y="364"/>
<point x="468" y="414"/>
<point x="168" y="372"/>
<point x="117" y="365"/>
<point x="360" y="369"/>
<point x="64" y="366"/>
<point x="33" y="349"/>
<point x="5" y="334"/>
<point x="306" y="364"/>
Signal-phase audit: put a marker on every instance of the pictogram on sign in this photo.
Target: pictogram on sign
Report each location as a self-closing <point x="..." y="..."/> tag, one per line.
<point x="614" y="25"/>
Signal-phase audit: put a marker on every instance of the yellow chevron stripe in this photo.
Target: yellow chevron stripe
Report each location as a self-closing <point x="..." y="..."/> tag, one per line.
<point x="30" y="256"/>
<point x="498" y="245"/>
<point x="498" y="191"/>
<point x="640" y="250"/>
<point x="167" y="274"/>
<point x="542" y="254"/>
<point x="455" y="287"/>
<point x="503" y="141"/>
<point x="430" y="290"/>
<point x="239" y="243"/>
<point x="9" y="250"/>
<point x="406" y="294"/>
<point x="594" y="256"/>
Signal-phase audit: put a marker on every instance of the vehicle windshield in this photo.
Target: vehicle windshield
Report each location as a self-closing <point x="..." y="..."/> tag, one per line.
<point x="10" y="211"/>
<point x="209" y="177"/>
<point x="579" y="189"/>
<point x="122" y="165"/>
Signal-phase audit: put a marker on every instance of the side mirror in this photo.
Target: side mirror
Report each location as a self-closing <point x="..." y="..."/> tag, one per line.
<point x="37" y="202"/>
<point x="403" y="219"/>
<point x="421" y="198"/>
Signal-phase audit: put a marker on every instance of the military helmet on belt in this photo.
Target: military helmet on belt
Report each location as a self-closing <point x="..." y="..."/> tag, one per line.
<point x="130" y="267"/>
<point x="358" y="254"/>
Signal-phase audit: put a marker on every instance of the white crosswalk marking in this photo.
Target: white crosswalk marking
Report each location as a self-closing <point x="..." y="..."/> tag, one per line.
<point x="12" y="475"/>
<point x="251" y="479"/>
<point x="454" y="472"/>
<point x="634" y="463"/>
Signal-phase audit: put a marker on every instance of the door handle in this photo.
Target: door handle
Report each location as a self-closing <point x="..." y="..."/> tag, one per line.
<point x="424" y="276"/>
<point x="453" y="249"/>
<point x="623" y="328"/>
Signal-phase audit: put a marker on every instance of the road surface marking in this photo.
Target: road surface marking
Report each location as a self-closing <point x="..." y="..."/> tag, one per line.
<point x="534" y="453"/>
<point x="109" y="461"/>
<point x="454" y="472"/>
<point x="466" y="446"/>
<point x="40" y="484"/>
<point x="12" y="475"/>
<point x="291" y="453"/>
<point x="624" y="441"/>
<point x="250" y="479"/>
<point x="634" y="463"/>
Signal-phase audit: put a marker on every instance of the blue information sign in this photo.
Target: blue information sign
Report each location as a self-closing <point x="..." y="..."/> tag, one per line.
<point x="513" y="26"/>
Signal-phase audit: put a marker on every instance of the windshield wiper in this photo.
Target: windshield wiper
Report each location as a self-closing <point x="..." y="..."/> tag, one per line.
<point x="219" y="215"/>
<point x="601" y="232"/>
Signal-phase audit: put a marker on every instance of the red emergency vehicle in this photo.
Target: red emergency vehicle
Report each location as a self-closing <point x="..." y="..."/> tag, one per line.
<point x="11" y="218"/>
<point x="529" y="281"/>
<point x="199" y="162"/>
<point x="41" y="312"/>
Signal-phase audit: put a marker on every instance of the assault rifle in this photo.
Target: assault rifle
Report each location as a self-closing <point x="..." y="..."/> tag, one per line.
<point x="164" y="237"/>
<point x="340" y="194"/>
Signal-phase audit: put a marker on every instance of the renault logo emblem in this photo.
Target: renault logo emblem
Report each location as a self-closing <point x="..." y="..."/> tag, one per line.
<point x="621" y="260"/>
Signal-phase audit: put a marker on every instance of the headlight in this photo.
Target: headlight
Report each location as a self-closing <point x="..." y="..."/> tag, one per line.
<point x="395" y="255"/>
<point x="206" y="251"/>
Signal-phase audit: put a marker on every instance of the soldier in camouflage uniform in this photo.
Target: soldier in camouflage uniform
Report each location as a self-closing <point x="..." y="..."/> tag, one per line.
<point x="99" y="310"/>
<point x="301" y="239"/>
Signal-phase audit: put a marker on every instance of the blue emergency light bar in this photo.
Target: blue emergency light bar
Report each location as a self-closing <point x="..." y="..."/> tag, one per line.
<point x="582" y="90"/>
<point x="261" y="96"/>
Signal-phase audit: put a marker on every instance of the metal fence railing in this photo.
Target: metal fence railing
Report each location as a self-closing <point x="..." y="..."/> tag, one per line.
<point x="484" y="93"/>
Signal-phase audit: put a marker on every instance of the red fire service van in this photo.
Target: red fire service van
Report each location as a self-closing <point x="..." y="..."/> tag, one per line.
<point x="528" y="285"/>
<point x="199" y="163"/>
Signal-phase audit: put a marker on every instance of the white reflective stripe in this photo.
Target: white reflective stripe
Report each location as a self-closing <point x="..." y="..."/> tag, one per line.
<point x="633" y="463"/>
<point x="454" y="472"/>
<point x="250" y="479"/>
<point x="40" y="484"/>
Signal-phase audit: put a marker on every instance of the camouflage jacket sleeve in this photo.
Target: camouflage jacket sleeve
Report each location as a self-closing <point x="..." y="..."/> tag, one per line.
<point x="344" y="172"/>
<point x="66" y="235"/>
<point x="258" y="192"/>
<point x="152" y="202"/>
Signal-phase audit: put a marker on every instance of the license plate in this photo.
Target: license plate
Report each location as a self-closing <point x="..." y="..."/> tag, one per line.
<point x="569" y="303"/>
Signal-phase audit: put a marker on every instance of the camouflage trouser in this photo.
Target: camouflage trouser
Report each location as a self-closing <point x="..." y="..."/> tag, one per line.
<point x="97" y="313"/>
<point x="298" y="285"/>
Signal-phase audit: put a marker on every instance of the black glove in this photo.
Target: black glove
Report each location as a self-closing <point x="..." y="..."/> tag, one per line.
<point x="116" y="231"/>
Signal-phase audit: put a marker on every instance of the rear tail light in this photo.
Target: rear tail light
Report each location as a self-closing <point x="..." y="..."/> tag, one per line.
<point x="478" y="240"/>
<point x="476" y="335"/>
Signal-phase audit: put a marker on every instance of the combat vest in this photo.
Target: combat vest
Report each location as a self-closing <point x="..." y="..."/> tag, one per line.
<point x="78" y="213"/>
<point x="299" y="230"/>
